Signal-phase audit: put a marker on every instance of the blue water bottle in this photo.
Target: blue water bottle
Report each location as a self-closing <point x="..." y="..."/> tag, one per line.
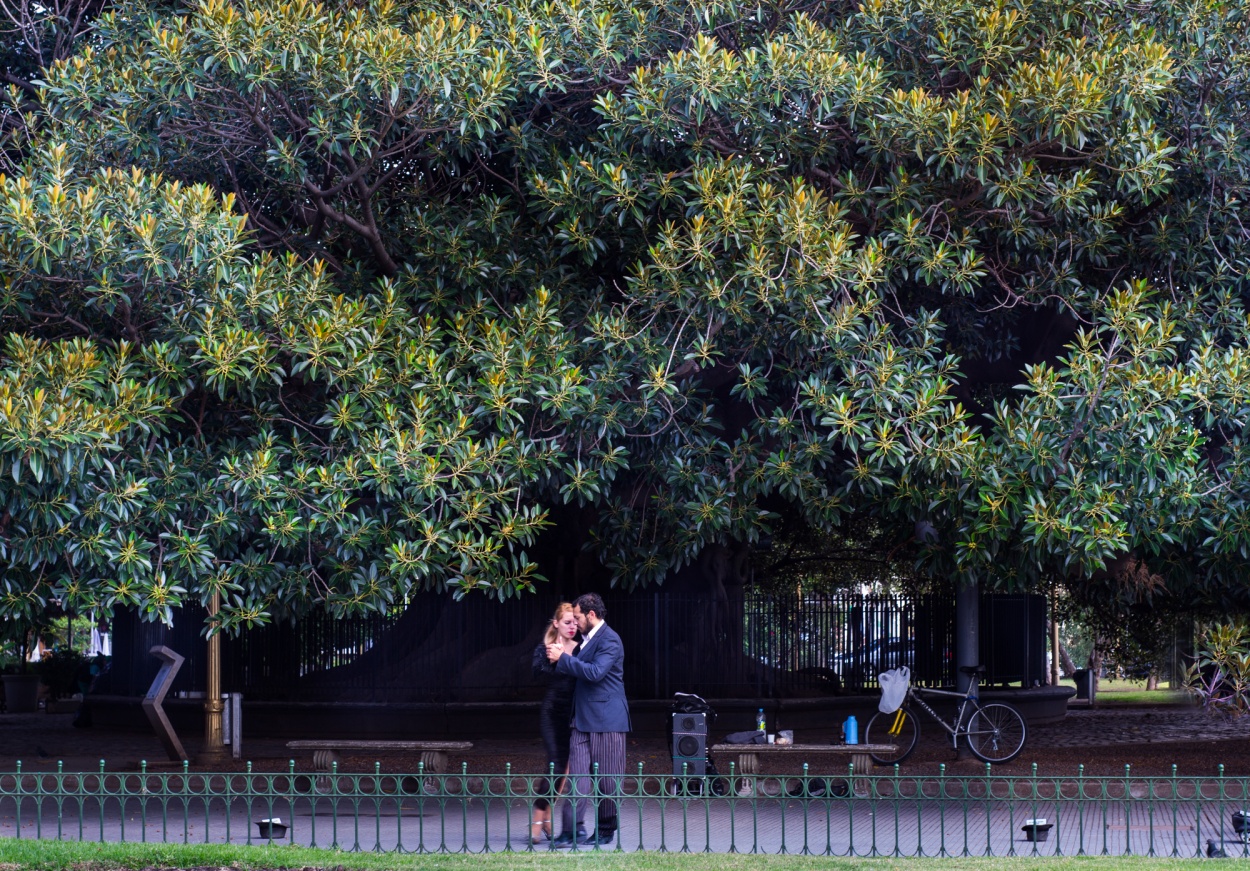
<point x="850" y="730"/>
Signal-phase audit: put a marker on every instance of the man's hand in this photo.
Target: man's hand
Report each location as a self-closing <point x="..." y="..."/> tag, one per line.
<point x="554" y="651"/>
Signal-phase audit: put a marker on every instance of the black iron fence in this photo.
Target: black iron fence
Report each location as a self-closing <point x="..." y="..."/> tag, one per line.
<point x="741" y="645"/>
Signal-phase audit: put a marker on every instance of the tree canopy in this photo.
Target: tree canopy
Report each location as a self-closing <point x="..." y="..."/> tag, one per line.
<point x="324" y="303"/>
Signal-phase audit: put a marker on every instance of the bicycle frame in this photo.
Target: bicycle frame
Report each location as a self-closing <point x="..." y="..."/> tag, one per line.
<point x="954" y="728"/>
<point x="995" y="732"/>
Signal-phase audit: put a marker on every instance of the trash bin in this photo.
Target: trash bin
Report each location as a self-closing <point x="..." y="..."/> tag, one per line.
<point x="1084" y="686"/>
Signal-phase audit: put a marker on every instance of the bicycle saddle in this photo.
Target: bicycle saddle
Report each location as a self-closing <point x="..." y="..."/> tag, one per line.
<point x="972" y="669"/>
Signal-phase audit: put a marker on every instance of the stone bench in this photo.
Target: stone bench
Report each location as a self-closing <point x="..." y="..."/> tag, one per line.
<point x="433" y="753"/>
<point x="749" y="754"/>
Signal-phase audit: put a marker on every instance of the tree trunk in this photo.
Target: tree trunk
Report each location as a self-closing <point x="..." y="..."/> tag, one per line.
<point x="1152" y="680"/>
<point x="708" y="639"/>
<point x="1065" y="660"/>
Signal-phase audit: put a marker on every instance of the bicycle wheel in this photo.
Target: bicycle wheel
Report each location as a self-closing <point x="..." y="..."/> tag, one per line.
<point x="900" y="728"/>
<point x="996" y="733"/>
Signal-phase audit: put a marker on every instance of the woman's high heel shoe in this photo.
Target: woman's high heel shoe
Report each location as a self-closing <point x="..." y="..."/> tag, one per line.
<point x="544" y="831"/>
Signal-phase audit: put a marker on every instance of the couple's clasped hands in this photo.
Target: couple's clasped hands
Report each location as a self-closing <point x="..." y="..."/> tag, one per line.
<point x="555" y="648"/>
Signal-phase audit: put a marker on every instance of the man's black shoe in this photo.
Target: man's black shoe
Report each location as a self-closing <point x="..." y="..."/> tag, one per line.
<point x="566" y="839"/>
<point x="601" y="839"/>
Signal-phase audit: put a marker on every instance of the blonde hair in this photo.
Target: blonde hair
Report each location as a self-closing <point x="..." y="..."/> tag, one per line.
<point x="553" y="634"/>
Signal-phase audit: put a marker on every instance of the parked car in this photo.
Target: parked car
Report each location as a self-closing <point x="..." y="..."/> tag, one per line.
<point x="859" y="666"/>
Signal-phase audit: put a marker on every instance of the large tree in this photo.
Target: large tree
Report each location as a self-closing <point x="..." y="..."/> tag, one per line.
<point x="324" y="303"/>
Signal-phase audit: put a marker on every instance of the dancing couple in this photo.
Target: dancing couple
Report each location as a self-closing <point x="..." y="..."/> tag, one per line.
<point x="583" y="720"/>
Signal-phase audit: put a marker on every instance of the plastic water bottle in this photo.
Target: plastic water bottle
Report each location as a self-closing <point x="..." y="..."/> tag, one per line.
<point x="760" y="723"/>
<point x="850" y="730"/>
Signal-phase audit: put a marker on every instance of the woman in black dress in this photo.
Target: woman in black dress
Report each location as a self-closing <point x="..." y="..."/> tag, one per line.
<point x="554" y="716"/>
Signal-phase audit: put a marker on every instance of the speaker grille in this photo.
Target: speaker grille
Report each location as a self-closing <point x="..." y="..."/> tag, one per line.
<point x="687" y="745"/>
<point x="688" y="724"/>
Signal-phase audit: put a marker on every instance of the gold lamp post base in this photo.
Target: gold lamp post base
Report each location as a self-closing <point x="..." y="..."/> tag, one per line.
<point x="214" y="750"/>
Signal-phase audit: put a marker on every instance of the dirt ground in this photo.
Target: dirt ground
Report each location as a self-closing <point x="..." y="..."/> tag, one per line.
<point x="1058" y="749"/>
<point x="1149" y="740"/>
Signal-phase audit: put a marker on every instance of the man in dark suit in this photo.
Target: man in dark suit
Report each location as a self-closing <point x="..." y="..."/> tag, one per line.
<point x="600" y="718"/>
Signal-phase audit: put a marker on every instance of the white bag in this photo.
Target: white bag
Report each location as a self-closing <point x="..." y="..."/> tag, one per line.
<point x="893" y="688"/>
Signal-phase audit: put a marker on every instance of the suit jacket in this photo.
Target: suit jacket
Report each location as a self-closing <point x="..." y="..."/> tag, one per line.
<point x="599" y="697"/>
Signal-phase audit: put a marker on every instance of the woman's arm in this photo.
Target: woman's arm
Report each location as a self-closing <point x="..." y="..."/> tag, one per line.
<point x="541" y="665"/>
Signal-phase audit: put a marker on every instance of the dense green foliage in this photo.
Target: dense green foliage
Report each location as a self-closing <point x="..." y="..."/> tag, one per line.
<point x="321" y="303"/>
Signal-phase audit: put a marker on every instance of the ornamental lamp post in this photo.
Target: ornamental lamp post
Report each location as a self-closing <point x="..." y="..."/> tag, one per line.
<point x="214" y="751"/>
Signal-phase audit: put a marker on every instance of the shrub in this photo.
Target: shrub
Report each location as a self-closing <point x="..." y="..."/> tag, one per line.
<point x="1220" y="676"/>
<point x="62" y="669"/>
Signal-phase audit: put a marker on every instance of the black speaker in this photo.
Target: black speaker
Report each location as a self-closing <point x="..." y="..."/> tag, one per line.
<point x="690" y="744"/>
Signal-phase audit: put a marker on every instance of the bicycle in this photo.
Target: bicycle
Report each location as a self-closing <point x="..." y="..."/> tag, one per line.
<point x="995" y="732"/>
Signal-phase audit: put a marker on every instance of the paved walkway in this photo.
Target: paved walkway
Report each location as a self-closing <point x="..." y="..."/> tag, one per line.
<point x="853" y="826"/>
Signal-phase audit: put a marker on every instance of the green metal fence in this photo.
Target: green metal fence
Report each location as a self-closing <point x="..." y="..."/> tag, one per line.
<point x="883" y="814"/>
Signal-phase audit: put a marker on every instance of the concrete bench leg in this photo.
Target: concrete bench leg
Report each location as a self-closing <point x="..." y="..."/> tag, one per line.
<point x="861" y="764"/>
<point x="748" y="764"/>
<point x="324" y="760"/>
<point x="435" y="761"/>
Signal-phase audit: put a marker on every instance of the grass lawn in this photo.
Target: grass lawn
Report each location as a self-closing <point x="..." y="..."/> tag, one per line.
<point x="1142" y="697"/>
<point x="1133" y="692"/>
<point x="20" y="855"/>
